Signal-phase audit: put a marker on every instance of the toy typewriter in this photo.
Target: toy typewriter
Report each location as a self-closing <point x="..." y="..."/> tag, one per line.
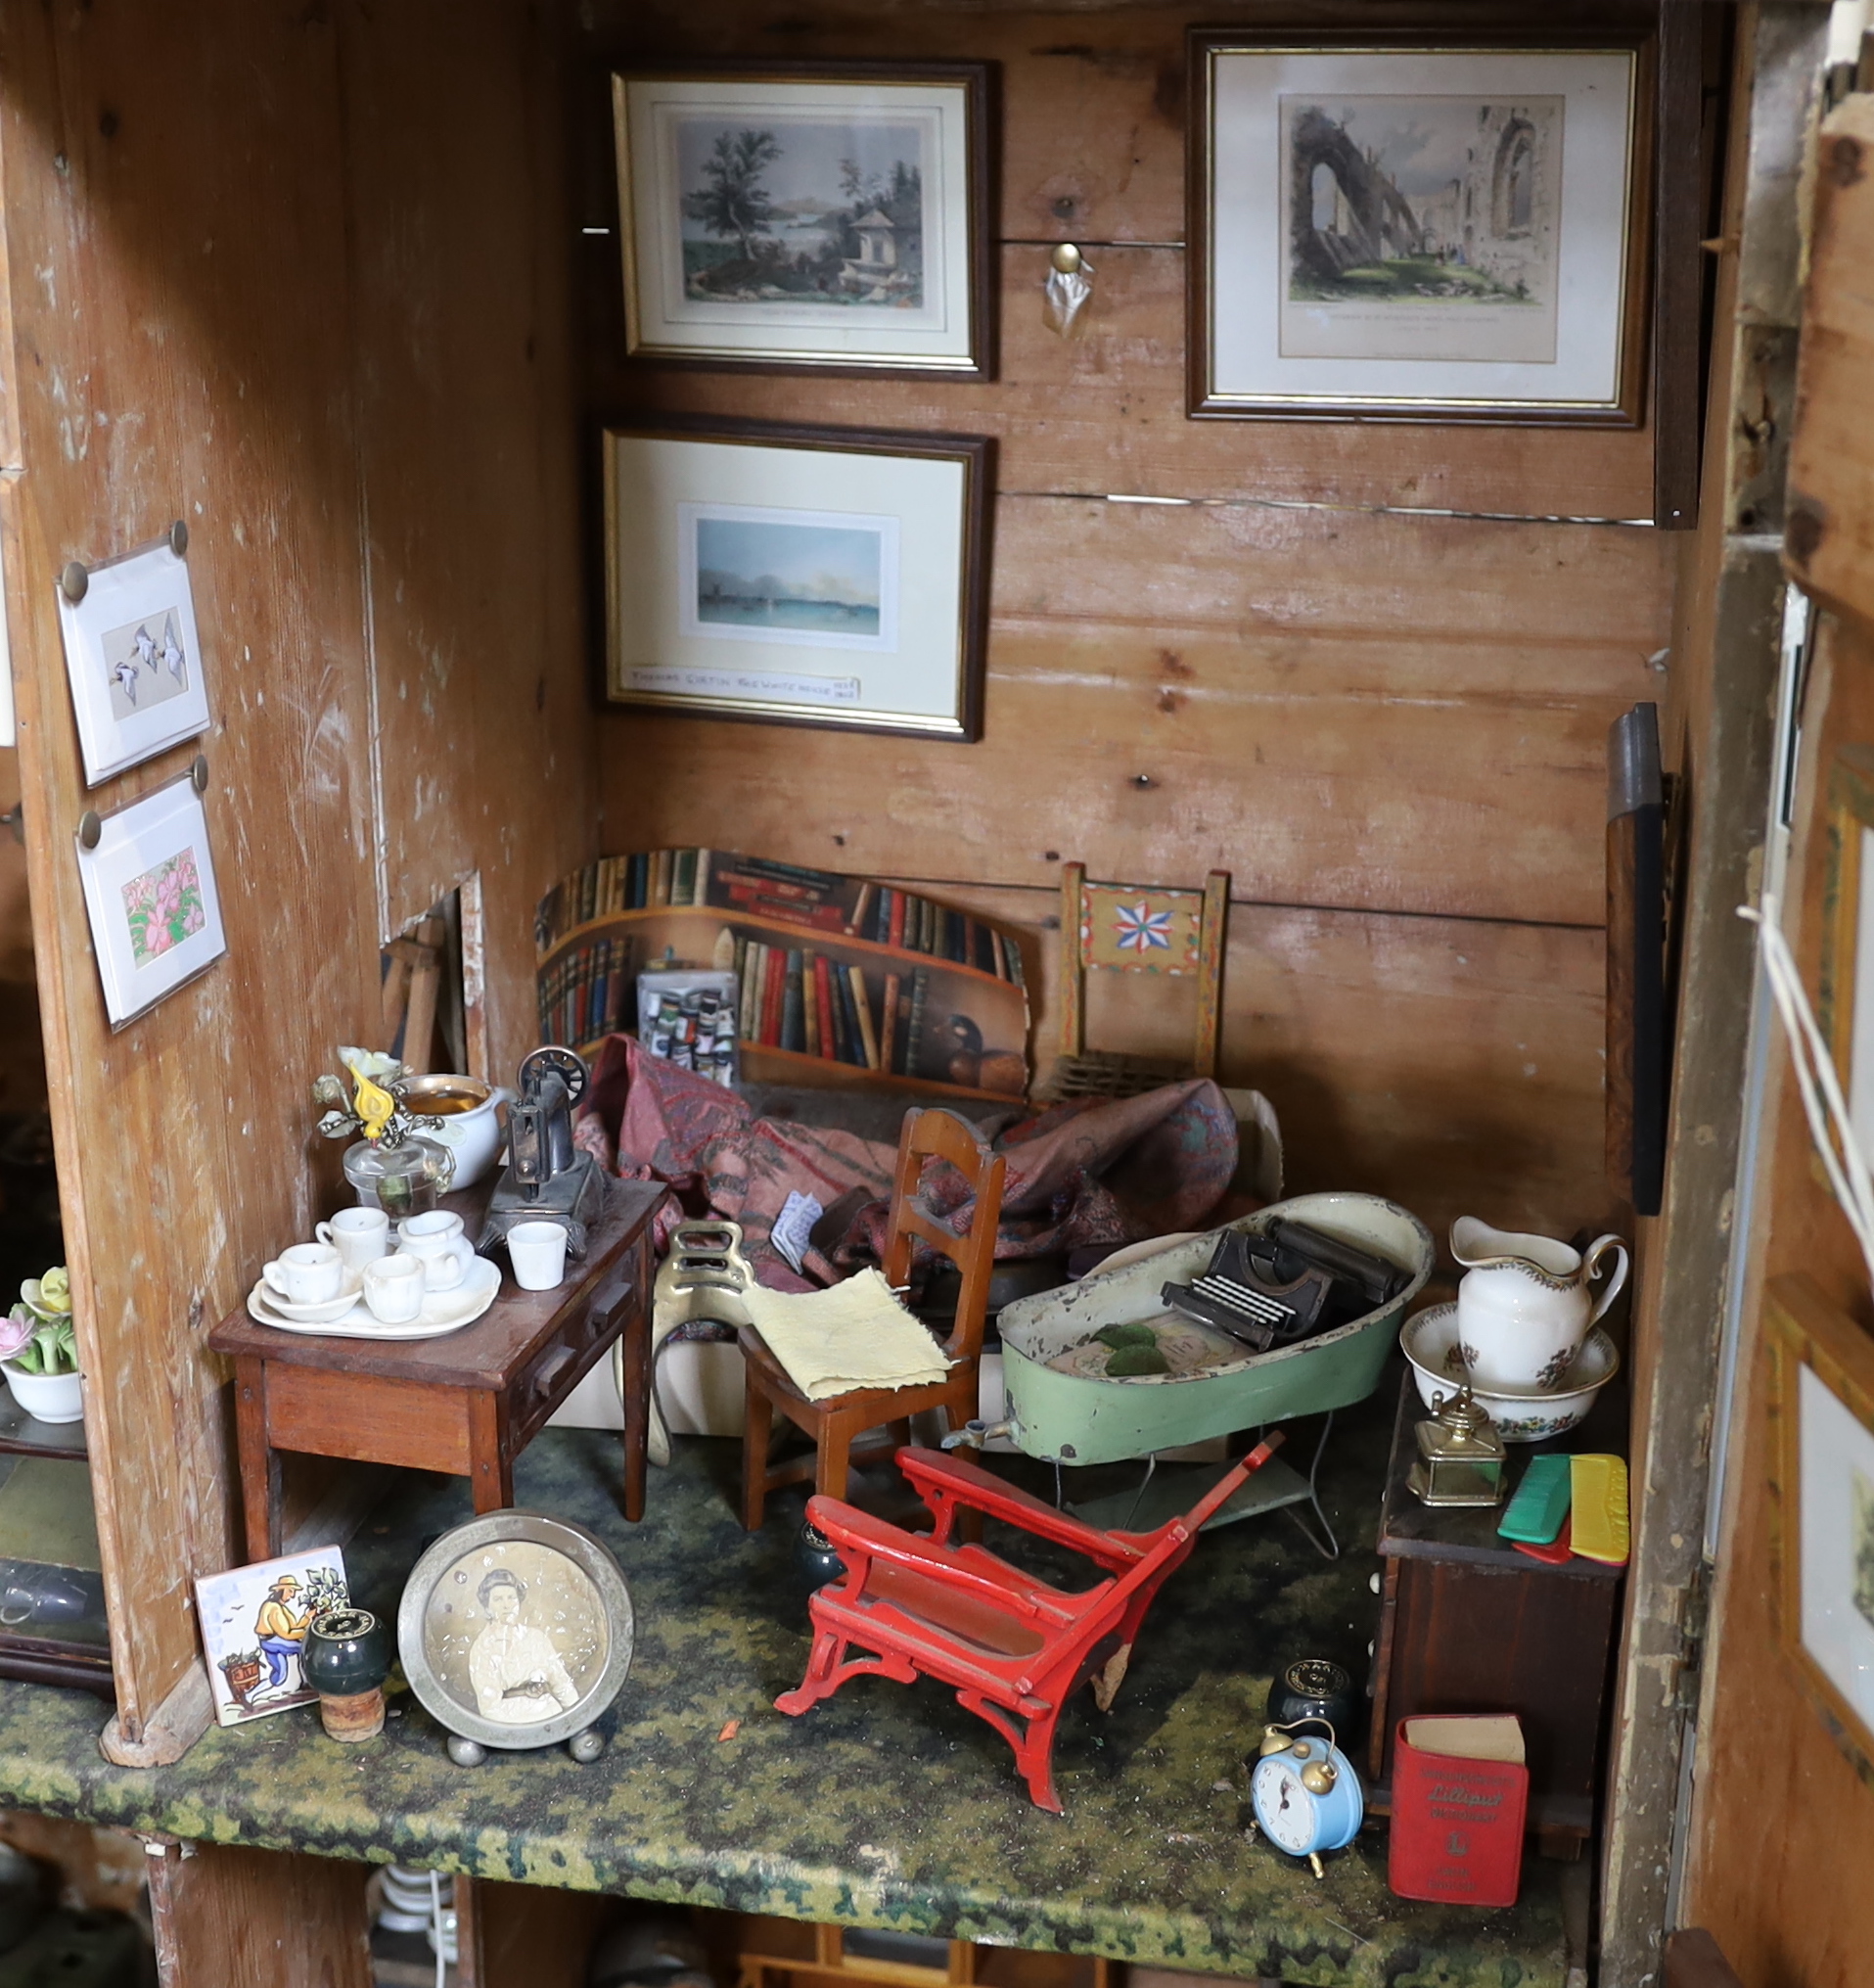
<point x="1285" y="1285"/>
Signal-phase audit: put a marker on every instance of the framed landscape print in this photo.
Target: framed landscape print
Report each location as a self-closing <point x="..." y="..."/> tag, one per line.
<point x="834" y="216"/>
<point x="828" y="575"/>
<point x="1387" y="230"/>
<point x="1821" y="1413"/>
<point x="133" y="658"/>
<point x="150" y="894"/>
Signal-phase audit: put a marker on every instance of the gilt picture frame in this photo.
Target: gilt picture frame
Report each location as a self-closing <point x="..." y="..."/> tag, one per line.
<point x="830" y="217"/>
<point x="1820" y="1402"/>
<point x="1392" y="227"/>
<point x="150" y="898"/>
<point x="1845" y="1006"/>
<point x="807" y="575"/>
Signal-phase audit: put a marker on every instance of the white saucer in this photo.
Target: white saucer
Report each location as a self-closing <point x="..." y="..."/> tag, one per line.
<point x="326" y="1310"/>
<point x="443" y="1311"/>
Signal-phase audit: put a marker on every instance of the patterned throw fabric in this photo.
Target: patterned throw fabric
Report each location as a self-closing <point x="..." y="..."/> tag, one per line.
<point x="1078" y="1174"/>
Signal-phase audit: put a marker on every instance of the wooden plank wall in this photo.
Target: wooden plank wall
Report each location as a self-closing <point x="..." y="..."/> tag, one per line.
<point x="1385" y="720"/>
<point x="242" y="293"/>
<point x="1782" y="1809"/>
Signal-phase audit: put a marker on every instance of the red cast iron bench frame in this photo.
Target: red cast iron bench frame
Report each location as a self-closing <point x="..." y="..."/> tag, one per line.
<point x="1014" y="1648"/>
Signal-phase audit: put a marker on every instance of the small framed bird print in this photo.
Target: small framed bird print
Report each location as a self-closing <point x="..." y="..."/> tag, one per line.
<point x="134" y="656"/>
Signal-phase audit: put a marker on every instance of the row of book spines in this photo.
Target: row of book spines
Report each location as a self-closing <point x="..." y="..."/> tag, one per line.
<point x="795" y="998"/>
<point x="587" y="994"/>
<point x="909" y="923"/>
<point x="650" y="880"/>
<point x="679" y="879"/>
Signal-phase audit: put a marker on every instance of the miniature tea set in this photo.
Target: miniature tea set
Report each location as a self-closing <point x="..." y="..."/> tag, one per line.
<point x="1524" y="1335"/>
<point x="354" y="1282"/>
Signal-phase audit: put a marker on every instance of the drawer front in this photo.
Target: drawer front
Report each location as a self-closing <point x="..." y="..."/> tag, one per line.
<point x="554" y="1370"/>
<point x="368" y="1420"/>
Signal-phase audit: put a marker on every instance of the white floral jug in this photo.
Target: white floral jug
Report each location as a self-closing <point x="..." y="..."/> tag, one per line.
<point x="1525" y="1304"/>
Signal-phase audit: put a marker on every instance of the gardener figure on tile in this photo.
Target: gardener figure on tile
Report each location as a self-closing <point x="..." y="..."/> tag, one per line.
<point x="282" y="1633"/>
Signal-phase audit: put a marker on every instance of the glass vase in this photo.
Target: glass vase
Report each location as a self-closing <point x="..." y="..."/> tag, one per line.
<point x="408" y="1178"/>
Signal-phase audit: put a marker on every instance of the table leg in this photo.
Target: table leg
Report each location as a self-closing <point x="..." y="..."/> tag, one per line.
<point x="259" y="1461"/>
<point x="490" y="1461"/>
<point x="637" y="1400"/>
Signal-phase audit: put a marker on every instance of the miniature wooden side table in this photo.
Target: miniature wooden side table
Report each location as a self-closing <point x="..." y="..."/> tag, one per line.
<point x="468" y="1403"/>
<point x="1468" y="1624"/>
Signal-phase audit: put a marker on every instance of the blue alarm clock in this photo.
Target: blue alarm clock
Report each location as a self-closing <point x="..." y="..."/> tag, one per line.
<point x="1305" y="1792"/>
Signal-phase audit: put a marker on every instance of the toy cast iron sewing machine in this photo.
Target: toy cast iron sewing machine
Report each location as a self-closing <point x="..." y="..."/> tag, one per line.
<point x="547" y="1178"/>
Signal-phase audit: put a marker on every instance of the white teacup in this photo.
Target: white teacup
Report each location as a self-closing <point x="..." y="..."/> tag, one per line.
<point x="437" y="1239"/>
<point x="537" y="1252"/>
<point x="307" y="1274"/>
<point x="360" y="1235"/>
<point x="393" y="1287"/>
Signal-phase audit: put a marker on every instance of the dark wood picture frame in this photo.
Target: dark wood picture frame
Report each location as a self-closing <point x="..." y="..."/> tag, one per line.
<point x="1802" y="1329"/>
<point x="1639" y="1048"/>
<point x="975" y="453"/>
<point x="1639" y="35"/>
<point x="978" y="84"/>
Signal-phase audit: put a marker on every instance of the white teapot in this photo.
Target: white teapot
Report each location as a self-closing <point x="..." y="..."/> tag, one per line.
<point x="1524" y="1306"/>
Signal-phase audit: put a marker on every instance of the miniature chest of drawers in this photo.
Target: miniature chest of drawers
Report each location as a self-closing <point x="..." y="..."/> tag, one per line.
<point x="1468" y="1624"/>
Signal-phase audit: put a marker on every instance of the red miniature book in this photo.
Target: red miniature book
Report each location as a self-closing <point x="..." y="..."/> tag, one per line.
<point x="1460" y="1793"/>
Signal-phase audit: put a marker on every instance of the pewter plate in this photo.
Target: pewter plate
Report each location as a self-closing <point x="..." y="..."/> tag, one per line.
<point x="516" y="1630"/>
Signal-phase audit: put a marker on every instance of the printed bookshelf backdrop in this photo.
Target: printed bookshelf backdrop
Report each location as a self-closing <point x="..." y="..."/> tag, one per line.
<point x="827" y="967"/>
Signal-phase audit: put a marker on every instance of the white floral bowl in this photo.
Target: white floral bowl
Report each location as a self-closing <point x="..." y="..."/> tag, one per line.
<point x="1429" y="1343"/>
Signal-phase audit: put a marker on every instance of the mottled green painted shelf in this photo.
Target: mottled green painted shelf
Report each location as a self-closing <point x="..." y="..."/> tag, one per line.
<point x="886" y="1806"/>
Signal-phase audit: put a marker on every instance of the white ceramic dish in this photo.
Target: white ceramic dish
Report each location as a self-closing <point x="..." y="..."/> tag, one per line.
<point x="1429" y="1343"/>
<point x="321" y="1314"/>
<point x="443" y="1311"/>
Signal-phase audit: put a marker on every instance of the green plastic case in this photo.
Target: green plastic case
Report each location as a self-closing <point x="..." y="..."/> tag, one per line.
<point x="1538" y="1512"/>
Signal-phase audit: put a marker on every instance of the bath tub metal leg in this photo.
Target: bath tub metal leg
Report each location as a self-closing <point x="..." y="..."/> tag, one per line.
<point x="1332" y="1550"/>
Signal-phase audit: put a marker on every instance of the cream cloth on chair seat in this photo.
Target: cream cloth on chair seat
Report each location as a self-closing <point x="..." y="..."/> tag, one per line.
<point x="853" y="1335"/>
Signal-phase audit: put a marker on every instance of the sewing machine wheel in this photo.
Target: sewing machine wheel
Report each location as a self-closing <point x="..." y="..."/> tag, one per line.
<point x="567" y="1062"/>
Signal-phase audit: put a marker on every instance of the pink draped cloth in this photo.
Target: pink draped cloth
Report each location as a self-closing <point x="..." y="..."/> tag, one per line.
<point x="1077" y="1174"/>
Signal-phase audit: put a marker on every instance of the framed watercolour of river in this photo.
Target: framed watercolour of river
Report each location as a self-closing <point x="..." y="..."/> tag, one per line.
<point x="820" y="576"/>
<point x="832" y="215"/>
<point x="1386" y="229"/>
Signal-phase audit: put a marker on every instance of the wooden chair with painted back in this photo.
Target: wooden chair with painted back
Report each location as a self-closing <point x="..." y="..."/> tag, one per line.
<point x="1137" y="928"/>
<point x="834" y="1422"/>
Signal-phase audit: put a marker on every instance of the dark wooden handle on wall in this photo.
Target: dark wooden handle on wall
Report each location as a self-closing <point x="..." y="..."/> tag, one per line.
<point x="1635" y="1095"/>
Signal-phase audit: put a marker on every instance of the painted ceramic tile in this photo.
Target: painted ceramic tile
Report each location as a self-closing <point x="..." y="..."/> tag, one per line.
<point x="254" y="1624"/>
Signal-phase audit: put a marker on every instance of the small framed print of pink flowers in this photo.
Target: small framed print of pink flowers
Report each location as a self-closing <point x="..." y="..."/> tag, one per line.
<point x="164" y="906"/>
<point x="150" y="894"/>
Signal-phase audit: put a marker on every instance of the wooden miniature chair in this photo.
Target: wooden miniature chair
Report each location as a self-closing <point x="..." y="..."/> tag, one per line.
<point x="834" y="1422"/>
<point x="1130" y="928"/>
<point x="1014" y="1648"/>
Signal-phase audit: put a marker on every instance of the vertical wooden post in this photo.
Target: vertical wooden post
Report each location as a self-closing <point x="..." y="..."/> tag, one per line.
<point x="1073" y="960"/>
<point x="1211" y="945"/>
<point x="224" y="1914"/>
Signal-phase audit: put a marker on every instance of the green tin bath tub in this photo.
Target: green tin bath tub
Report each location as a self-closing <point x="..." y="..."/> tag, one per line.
<point x="1071" y="1419"/>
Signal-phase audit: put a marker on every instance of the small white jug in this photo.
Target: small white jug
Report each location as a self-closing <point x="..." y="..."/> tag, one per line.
<point x="1524" y="1307"/>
